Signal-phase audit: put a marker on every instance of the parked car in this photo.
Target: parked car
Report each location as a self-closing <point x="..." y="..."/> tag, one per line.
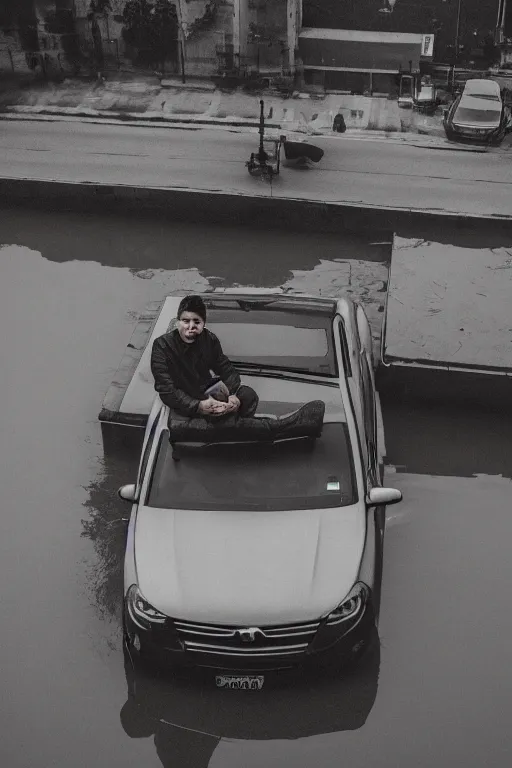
<point x="478" y="113"/>
<point x="250" y="557"/>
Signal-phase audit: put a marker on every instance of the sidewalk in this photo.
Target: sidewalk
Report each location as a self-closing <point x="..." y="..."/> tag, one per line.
<point x="147" y="100"/>
<point x="169" y="100"/>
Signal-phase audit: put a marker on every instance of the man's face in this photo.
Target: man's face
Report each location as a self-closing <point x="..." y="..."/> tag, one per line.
<point x="190" y="326"/>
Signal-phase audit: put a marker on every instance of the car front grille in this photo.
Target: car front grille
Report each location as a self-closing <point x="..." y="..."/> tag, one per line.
<point x="246" y="642"/>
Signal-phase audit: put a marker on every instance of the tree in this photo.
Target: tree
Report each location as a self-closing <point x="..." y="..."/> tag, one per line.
<point x="151" y="28"/>
<point x="490" y="50"/>
<point x="8" y="10"/>
<point x="98" y="9"/>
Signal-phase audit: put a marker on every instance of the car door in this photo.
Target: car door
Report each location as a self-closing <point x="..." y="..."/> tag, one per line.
<point x="376" y="515"/>
<point x="350" y="353"/>
<point x="149" y="440"/>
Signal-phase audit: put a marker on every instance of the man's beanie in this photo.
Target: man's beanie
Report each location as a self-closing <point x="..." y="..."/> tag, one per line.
<point x="192" y="304"/>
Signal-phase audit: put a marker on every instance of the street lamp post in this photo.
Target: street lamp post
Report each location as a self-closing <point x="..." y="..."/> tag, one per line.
<point x="182" y="34"/>
<point x="182" y="52"/>
<point x="457" y="33"/>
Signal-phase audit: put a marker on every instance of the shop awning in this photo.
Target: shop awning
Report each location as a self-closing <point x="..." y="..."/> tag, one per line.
<point x="354" y="50"/>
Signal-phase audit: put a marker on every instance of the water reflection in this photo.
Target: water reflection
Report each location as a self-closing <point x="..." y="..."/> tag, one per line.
<point x="107" y="520"/>
<point x="446" y="440"/>
<point x="148" y="243"/>
<point x="469" y="234"/>
<point x="188" y="716"/>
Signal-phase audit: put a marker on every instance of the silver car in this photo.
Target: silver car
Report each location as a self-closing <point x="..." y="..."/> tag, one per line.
<point x="478" y="114"/>
<point x="250" y="557"/>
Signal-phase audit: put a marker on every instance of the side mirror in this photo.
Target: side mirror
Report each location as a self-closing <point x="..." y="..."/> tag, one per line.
<point x="445" y="113"/>
<point x="381" y="497"/>
<point x="127" y="493"/>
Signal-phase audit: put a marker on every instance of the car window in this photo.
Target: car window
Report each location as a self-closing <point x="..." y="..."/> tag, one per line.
<point x="147" y="451"/>
<point x="286" y="475"/>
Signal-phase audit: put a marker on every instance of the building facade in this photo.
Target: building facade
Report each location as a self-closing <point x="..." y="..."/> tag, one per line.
<point x="239" y="37"/>
<point x="464" y="30"/>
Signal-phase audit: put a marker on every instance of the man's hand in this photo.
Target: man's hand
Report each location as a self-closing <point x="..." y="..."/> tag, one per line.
<point x="212" y="407"/>
<point x="209" y="407"/>
<point x="233" y="404"/>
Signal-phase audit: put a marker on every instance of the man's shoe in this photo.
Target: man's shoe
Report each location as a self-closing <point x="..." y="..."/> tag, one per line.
<point x="306" y="421"/>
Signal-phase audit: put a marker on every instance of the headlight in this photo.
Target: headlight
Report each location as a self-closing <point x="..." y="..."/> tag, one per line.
<point x="142" y="612"/>
<point x="351" y="605"/>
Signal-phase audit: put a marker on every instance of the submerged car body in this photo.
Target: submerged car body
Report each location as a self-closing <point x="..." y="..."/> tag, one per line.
<point x="252" y="557"/>
<point x="478" y="114"/>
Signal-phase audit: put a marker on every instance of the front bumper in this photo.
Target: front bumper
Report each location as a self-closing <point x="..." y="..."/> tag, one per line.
<point x="330" y="648"/>
<point x="484" y="135"/>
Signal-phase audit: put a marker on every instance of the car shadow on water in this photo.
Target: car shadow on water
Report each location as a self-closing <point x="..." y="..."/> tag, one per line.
<point x="188" y="715"/>
<point x="184" y="711"/>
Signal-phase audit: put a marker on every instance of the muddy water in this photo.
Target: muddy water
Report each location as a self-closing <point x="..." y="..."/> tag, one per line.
<point x="440" y="689"/>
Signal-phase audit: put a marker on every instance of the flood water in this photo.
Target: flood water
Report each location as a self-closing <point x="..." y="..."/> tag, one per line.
<point x="439" y="689"/>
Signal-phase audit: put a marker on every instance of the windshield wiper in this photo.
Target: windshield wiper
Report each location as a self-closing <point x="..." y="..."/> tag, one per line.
<point x="246" y="305"/>
<point x="263" y="367"/>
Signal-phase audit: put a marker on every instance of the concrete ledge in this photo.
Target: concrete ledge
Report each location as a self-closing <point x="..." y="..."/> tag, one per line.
<point x="157" y="118"/>
<point x="229" y="208"/>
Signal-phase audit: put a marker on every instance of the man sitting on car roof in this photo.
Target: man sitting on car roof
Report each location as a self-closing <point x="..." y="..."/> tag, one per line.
<point x="202" y="388"/>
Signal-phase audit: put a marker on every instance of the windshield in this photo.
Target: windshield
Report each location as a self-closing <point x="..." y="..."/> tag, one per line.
<point x="287" y="475"/>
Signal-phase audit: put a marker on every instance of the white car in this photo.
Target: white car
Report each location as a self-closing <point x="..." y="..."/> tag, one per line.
<point x="248" y="557"/>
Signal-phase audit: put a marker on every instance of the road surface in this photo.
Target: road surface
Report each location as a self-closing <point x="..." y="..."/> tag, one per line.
<point x="374" y="172"/>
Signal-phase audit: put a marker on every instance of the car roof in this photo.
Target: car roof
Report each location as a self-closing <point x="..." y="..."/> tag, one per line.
<point x="139" y="394"/>
<point x="477" y="87"/>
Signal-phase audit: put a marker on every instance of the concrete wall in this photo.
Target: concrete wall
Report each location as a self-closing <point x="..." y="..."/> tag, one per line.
<point x="294" y="24"/>
<point x="201" y="47"/>
<point x="228" y="208"/>
<point x="45" y="50"/>
<point x="12" y="55"/>
<point x="267" y="49"/>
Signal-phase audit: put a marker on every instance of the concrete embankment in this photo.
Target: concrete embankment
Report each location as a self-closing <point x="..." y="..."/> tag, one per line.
<point x="232" y="208"/>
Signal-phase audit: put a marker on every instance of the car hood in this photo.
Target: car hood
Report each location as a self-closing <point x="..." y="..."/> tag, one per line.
<point x="248" y="567"/>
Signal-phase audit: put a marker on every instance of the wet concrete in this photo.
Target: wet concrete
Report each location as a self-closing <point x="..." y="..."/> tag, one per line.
<point x="438" y="692"/>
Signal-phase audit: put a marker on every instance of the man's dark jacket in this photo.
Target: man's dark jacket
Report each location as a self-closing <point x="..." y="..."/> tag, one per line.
<point x="182" y="371"/>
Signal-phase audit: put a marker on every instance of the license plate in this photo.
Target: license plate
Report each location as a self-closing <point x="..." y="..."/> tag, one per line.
<point x="240" y="682"/>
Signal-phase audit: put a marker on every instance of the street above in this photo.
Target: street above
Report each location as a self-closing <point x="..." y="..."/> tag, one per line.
<point x="375" y="172"/>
